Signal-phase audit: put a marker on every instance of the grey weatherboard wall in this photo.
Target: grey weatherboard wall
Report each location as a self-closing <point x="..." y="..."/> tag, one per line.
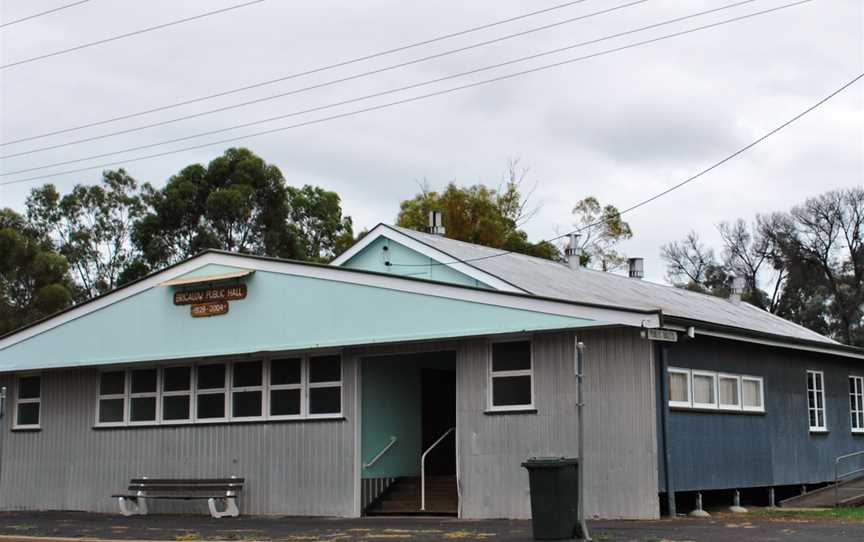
<point x="715" y="450"/>
<point x="621" y="440"/>
<point x="303" y="467"/>
<point x="311" y="468"/>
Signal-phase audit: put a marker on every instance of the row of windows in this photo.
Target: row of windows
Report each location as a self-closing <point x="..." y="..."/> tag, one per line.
<point x="816" y="402"/>
<point x="289" y="388"/>
<point x="278" y="389"/>
<point x="689" y="388"/>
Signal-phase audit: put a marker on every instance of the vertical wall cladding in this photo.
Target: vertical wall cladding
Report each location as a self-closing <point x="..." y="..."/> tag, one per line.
<point x="303" y="468"/>
<point x="621" y="442"/>
<point x="716" y="450"/>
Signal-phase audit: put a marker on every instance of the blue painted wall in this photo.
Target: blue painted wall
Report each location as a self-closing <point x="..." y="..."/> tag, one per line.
<point x="713" y="450"/>
<point x="281" y="312"/>
<point x="414" y="264"/>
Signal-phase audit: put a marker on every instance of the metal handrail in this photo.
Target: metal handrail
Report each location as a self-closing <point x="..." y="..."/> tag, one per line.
<point x="423" y="468"/>
<point x="838" y="476"/>
<point x="380" y="454"/>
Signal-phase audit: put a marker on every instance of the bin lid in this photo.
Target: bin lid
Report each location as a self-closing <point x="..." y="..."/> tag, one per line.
<point x="549" y="462"/>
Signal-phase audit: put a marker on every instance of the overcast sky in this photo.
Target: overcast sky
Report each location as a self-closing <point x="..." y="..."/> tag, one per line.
<point x="621" y="126"/>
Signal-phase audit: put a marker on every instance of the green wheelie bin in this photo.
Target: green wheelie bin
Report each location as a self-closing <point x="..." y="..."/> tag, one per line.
<point x="554" y="497"/>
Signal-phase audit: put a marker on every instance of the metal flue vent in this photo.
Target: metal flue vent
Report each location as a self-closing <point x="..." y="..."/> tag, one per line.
<point x="736" y="290"/>
<point x="636" y="268"/>
<point x="572" y="252"/>
<point x="436" y="223"/>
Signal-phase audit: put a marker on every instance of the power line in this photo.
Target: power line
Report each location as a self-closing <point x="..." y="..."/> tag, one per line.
<point x="409" y="87"/>
<point x="405" y="100"/>
<point x="128" y="34"/>
<point x="35" y="15"/>
<point x="350" y="78"/>
<point x="300" y="74"/>
<point x="672" y="188"/>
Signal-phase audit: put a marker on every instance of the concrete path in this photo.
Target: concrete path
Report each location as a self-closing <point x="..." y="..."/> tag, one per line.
<point x="23" y="526"/>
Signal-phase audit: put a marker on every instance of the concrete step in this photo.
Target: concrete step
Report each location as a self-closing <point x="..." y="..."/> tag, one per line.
<point x="403" y="498"/>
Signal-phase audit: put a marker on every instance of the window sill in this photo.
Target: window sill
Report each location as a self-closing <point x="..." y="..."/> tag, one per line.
<point x="502" y="412"/>
<point x="819" y="431"/>
<point x="31" y="429"/>
<point x="717" y="411"/>
<point x="858" y="433"/>
<point x="338" y="418"/>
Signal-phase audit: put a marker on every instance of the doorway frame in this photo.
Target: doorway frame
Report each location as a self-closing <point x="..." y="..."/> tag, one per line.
<point x="358" y="355"/>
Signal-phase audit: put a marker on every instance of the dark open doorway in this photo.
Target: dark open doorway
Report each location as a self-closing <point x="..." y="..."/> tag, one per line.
<point x="408" y="404"/>
<point x="438" y="392"/>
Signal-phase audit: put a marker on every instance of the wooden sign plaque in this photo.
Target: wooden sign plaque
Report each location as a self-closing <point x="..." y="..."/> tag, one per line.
<point x="214" y="293"/>
<point x="211" y="308"/>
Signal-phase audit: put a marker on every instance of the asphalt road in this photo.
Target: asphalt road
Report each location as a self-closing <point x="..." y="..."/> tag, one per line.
<point x="191" y="528"/>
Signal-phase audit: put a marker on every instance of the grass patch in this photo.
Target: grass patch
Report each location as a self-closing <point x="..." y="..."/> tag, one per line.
<point x="850" y="514"/>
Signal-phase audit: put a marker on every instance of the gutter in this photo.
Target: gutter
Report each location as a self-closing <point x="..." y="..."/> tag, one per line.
<point x="740" y="334"/>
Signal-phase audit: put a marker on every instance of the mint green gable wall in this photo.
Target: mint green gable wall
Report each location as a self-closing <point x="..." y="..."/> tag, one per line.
<point x="371" y="258"/>
<point x="281" y="312"/>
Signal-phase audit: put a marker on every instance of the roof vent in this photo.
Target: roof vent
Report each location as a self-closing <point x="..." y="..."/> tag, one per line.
<point x="736" y="290"/>
<point x="572" y="252"/>
<point x="436" y="223"/>
<point x="636" y="268"/>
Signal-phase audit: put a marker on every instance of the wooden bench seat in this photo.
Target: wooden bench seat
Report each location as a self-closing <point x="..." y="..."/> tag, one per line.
<point x="211" y="489"/>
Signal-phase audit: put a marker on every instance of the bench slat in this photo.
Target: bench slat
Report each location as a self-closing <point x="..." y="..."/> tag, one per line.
<point x="180" y="497"/>
<point x="190" y="481"/>
<point x="184" y="488"/>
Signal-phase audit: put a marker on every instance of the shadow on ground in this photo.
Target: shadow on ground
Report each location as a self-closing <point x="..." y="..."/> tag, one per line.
<point x="192" y="528"/>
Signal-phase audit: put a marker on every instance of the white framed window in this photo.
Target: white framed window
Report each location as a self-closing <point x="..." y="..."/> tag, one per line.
<point x="176" y="394"/>
<point x="856" y="403"/>
<point x="297" y="387"/>
<point x="704" y="389"/>
<point x="729" y="391"/>
<point x="752" y="394"/>
<point x="28" y="402"/>
<point x="247" y="390"/>
<point x="211" y="392"/>
<point x="679" y="387"/>
<point x="816" y="401"/>
<point x="143" y="396"/>
<point x="111" y="402"/>
<point x="511" y="375"/>
<point x="324" y="387"/>
<point x="286" y="388"/>
<point x="693" y="388"/>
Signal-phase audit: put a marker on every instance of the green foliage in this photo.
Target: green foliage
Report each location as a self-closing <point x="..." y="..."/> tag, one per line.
<point x="91" y="226"/>
<point x="316" y="217"/>
<point x="33" y="277"/>
<point x="479" y="214"/>
<point x="238" y="203"/>
<point x="601" y="229"/>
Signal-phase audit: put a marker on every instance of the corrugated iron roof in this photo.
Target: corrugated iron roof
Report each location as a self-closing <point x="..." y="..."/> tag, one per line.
<point x="546" y="278"/>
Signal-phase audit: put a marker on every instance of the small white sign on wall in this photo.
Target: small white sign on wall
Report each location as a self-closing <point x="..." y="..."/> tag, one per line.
<point x="664" y="335"/>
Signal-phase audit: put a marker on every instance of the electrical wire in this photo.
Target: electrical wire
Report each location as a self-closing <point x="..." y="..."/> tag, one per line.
<point x="334" y="81"/>
<point x="40" y="14"/>
<point x="405" y="100"/>
<point x="300" y="74"/>
<point x="412" y="86"/>
<point x="128" y="34"/>
<point x="672" y="188"/>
